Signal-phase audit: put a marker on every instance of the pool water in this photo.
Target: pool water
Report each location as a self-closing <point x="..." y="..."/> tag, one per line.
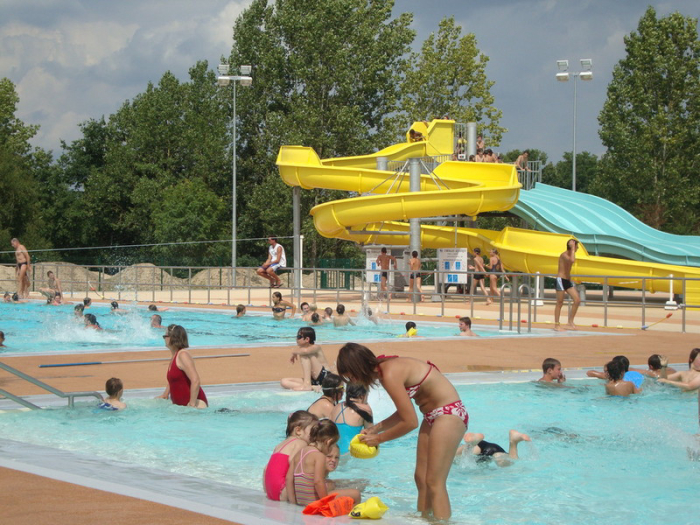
<point x="40" y="329"/>
<point x="592" y="457"/>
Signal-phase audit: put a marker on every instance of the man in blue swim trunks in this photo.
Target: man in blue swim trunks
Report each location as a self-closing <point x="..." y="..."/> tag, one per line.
<point x="565" y="286"/>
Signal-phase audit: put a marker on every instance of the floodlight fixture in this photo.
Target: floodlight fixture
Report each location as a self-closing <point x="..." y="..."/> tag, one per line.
<point x="245" y="70"/>
<point x="223" y="69"/>
<point x="563" y="76"/>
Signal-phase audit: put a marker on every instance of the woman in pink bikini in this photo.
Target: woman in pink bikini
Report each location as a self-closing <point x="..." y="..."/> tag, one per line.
<point x="444" y="416"/>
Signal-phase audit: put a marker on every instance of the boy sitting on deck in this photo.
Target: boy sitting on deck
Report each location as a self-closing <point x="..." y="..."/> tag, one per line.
<point x="314" y="365"/>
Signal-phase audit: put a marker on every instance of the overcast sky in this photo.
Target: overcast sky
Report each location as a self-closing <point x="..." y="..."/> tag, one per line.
<point x="72" y="60"/>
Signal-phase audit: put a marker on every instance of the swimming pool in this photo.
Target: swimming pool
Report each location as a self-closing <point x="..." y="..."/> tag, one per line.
<point x="592" y="456"/>
<point x="34" y="328"/>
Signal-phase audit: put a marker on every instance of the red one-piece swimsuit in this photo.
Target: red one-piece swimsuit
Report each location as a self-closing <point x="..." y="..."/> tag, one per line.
<point x="180" y="385"/>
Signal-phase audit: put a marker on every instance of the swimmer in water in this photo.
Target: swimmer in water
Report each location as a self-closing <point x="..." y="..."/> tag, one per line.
<point x="156" y="321"/>
<point x="154" y="308"/>
<point x="476" y="446"/>
<point x="551" y="372"/>
<point x="91" y="322"/>
<point x="465" y="327"/>
<point x="114" y="389"/>
<point x="279" y="307"/>
<point x="240" y="310"/>
<point x="688" y="380"/>
<point x="342" y="319"/>
<point x="411" y="330"/>
<point x="2" y="339"/>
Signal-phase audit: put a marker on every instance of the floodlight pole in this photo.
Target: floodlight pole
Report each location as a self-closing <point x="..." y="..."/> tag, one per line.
<point x="223" y="80"/>
<point x="563" y="76"/>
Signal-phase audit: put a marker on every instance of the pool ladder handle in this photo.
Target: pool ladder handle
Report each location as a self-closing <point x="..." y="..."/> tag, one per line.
<point x="66" y="395"/>
<point x="522" y="288"/>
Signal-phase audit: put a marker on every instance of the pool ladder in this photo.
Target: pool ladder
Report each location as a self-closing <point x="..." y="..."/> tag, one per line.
<point x="523" y="291"/>
<point x="69" y="395"/>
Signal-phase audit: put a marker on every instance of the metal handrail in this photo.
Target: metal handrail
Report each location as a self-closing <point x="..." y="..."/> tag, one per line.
<point x="501" y="313"/>
<point x="33" y="380"/>
<point x="529" y="306"/>
<point x="155" y="280"/>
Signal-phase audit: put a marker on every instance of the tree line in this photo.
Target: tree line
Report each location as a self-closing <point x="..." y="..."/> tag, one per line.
<point x="341" y="78"/>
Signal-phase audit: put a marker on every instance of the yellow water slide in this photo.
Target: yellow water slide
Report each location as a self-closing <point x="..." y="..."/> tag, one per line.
<point x="453" y="188"/>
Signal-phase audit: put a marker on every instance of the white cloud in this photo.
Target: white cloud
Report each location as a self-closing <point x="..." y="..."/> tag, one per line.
<point x="77" y="59"/>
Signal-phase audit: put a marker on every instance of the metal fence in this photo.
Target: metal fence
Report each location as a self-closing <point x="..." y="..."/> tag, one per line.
<point x="519" y="303"/>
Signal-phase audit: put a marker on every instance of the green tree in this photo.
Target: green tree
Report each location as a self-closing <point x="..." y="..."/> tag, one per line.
<point x="20" y="213"/>
<point x="650" y="124"/>
<point x="560" y="174"/>
<point x="188" y="211"/>
<point x="448" y="77"/>
<point x="326" y="75"/>
<point x="117" y="173"/>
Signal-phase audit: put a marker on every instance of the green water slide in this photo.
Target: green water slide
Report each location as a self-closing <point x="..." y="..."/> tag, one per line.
<point x="603" y="227"/>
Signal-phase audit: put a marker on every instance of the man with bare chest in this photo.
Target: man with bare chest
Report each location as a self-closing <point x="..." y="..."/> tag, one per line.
<point x="22" y="269"/>
<point x="384" y="262"/>
<point x="565" y="286"/>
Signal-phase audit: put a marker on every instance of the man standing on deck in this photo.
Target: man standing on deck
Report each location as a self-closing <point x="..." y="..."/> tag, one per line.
<point x="384" y="262"/>
<point x="276" y="259"/>
<point x="565" y="286"/>
<point x="22" y="269"/>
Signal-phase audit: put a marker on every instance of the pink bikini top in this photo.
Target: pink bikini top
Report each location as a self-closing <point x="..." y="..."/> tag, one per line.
<point x="410" y="390"/>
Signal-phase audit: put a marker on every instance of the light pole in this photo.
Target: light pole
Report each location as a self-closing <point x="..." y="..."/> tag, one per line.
<point x="223" y="80"/>
<point x="563" y="76"/>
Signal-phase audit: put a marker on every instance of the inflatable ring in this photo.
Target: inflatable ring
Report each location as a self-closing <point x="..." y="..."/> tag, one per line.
<point x="372" y="509"/>
<point x="358" y="449"/>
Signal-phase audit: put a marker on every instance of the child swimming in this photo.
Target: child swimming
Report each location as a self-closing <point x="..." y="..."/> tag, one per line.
<point x="299" y="425"/>
<point x="114" y="388"/>
<point x="306" y="478"/>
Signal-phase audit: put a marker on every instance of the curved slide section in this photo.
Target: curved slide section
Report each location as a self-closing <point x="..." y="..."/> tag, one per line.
<point x="604" y="227"/>
<point x="456" y="188"/>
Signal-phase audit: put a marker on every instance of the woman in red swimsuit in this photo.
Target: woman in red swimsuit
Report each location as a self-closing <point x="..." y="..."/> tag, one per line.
<point x="183" y="380"/>
<point x="444" y="416"/>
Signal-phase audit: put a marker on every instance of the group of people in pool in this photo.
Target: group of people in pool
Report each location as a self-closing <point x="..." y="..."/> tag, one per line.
<point x="298" y="468"/>
<point x="442" y="433"/>
<point x="623" y="381"/>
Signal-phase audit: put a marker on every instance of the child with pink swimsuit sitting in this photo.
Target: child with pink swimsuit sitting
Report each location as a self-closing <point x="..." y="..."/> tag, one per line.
<point x="299" y="426"/>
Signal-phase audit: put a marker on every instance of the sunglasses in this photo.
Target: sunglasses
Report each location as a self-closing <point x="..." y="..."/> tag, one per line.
<point x="166" y="335"/>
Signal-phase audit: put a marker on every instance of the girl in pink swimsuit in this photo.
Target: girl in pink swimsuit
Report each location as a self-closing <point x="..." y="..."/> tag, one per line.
<point x="444" y="417"/>
<point x="306" y="479"/>
<point x="299" y="426"/>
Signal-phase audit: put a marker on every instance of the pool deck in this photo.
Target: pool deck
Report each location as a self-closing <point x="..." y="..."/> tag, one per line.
<point x="32" y="495"/>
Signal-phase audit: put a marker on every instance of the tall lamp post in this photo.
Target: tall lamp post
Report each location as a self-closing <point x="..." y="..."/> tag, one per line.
<point x="563" y="76"/>
<point x="223" y="80"/>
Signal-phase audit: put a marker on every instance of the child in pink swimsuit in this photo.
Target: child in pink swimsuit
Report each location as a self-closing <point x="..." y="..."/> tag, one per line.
<point x="299" y="426"/>
<point x="304" y="485"/>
